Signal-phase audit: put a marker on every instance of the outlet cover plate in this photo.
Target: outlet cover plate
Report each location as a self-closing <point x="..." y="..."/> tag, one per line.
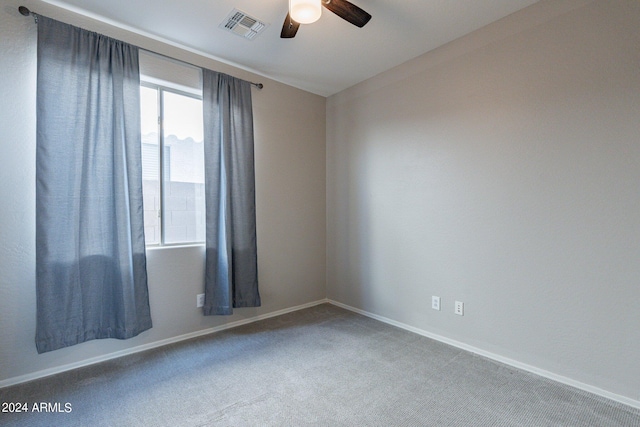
<point x="459" y="308"/>
<point x="200" y="300"/>
<point x="435" y="303"/>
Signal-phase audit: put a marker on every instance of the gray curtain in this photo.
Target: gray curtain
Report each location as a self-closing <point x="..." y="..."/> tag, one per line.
<point x="90" y="257"/>
<point x="231" y="277"/>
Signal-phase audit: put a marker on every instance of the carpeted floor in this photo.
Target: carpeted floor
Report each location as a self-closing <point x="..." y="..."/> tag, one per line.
<point x="321" y="366"/>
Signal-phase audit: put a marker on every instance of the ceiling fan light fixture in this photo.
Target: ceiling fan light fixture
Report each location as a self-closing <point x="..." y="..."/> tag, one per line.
<point x="305" y="11"/>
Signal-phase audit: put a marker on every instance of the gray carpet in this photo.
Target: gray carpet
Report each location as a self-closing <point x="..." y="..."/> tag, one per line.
<point x="321" y="366"/>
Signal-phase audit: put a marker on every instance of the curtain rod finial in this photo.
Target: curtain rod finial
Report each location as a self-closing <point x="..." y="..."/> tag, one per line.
<point x="24" y="11"/>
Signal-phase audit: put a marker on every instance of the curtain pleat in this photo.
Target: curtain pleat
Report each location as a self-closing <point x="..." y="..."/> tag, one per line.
<point x="91" y="278"/>
<point x="231" y="277"/>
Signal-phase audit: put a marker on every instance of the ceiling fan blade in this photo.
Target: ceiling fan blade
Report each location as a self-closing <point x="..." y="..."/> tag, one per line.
<point x="348" y="11"/>
<point x="289" y="28"/>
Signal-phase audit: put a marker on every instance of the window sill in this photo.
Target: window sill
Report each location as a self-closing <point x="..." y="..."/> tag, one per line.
<point x="176" y="246"/>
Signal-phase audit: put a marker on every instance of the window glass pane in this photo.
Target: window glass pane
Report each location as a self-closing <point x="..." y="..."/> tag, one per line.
<point x="183" y="169"/>
<point x="150" y="164"/>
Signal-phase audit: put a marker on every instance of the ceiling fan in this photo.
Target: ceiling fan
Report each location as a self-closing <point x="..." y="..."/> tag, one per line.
<point x="308" y="11"/>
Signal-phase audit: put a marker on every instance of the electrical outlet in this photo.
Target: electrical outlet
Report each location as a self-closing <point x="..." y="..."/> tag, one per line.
<point x="200" y="300"/>
<point x="459" y="308"/>
<point x="435" y="303"/>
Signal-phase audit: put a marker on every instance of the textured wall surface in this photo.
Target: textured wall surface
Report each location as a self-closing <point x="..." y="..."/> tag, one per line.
<point x="501" y="170"/>
<point x="290" y="187"/>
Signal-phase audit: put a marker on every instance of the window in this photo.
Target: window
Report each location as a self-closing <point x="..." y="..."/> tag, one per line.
<point x="172" y="166"/>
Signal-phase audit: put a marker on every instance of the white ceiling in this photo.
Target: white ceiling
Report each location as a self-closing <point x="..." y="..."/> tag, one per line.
<point x="325" y="57"/>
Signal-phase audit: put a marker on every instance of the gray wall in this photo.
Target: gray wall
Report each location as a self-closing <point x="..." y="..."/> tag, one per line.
<point x="501" y="170"/>
<point x="290" y="175"/>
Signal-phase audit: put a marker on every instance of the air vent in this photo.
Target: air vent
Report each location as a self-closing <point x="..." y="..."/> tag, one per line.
<point x="243" y="25"/>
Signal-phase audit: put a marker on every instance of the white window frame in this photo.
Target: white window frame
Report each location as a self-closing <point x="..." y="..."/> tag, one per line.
<point x="161" y="163"/>
<point x="167" y="74"/>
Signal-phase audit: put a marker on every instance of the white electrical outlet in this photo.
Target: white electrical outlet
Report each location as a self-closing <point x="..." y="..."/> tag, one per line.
<point x="200" y="300"/>
<point x="459" y="308"/>
<point x="435" y="303"/>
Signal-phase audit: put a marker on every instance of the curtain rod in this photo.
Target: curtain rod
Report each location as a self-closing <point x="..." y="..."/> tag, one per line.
<point x="24" y="11"/>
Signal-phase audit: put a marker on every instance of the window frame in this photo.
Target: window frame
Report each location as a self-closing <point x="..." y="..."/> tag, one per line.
<point x="160" y="89"/>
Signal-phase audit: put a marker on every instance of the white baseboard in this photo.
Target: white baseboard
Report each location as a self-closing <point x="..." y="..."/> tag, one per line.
<point x="63" y="368"/>
<point x="514" y="363"/>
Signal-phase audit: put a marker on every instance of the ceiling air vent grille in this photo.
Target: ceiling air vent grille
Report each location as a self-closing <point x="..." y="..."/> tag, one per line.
<point x="243" y="25"/>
